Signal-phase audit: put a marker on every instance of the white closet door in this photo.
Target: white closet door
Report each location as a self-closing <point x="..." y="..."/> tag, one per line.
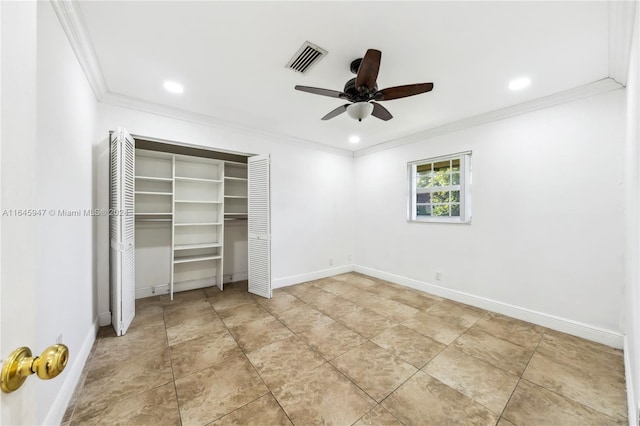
<point x="259" y="226"/>
<point x="122" y="230"/>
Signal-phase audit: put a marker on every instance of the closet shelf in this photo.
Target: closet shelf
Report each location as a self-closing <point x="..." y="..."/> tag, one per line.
<point x="239" y="179"/>
<point x="153" y="193"/>
<point x="191" y="179"/>
<point x="199" y="258"/>
<point x="153" y="214"/>
<point x="142" y="219"/>
<point x="154" y="178"/>
<point x="198" y="224"/>
<point x="197" y="202"/>
<point x="196" y="246"/>
<point x="236" y="214"/>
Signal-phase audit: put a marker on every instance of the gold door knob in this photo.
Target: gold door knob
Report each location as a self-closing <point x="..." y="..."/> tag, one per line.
<point x="21" y="365"/>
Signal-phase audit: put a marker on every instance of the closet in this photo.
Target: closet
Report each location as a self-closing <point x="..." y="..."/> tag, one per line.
<point x="190" y="221"/>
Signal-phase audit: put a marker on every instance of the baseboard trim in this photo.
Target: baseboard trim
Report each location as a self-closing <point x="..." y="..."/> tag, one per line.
<point x="297" y="279"/>
<point x="157" y="290"/>
<point x="632" y="408"/>
<point x="575" y="328"/>
<point x="104" y="319"/>
<point x="72" y="376"/>
<point x="236" y="276"/>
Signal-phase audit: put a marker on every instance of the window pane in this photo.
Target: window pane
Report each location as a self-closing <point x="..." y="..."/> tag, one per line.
<point x="424" y="168"/>
<point x="424" y="180"/>
<point x="455" y="165"/>
<point x="442" y="166"/>
<point x="455" y="196"/>
<point x="440" y="197"/>
<point x="455" y="210"/>
<point x="440" y="210"/>
<point x="423" y="210"/>
<point x="423" y="198"/>
<point x="442" y="179"/>
<point x="455" y="179"/>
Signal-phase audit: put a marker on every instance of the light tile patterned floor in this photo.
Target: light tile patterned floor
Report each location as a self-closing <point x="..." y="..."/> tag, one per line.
<point x="343" y="350"/>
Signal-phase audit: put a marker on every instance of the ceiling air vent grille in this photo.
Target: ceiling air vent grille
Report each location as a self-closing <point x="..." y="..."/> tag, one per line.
<point x="306" y="57"/>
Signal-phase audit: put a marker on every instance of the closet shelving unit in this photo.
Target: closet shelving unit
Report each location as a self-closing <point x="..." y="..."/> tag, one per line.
<point x="235" y="191"/>
<point x="153" y="190"/>
<point x="198" y="232"/>
<point x="179" y="212"/>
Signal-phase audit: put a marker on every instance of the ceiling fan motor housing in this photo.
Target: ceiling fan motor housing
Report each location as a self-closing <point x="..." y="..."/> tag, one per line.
<point x="355" y="95"/>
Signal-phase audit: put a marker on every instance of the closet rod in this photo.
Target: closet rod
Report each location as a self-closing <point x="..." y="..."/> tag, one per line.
<point x="153" y="220"/>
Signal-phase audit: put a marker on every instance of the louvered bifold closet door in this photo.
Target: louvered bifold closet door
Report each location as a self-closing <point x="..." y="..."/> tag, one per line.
<point x="122" y="230"/>
<point x="259" y="226"/>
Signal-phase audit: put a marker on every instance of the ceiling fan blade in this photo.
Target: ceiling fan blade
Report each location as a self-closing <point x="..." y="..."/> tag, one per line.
<point x="336" y="112"/>
<point x="402" y="91"/>
<point x="323" y="92"/>
<point x="381" y="112"/>
<point x="368" y="71"/>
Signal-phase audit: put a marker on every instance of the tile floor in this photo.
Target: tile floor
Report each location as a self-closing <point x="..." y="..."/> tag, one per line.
<point x="345" y="350"/>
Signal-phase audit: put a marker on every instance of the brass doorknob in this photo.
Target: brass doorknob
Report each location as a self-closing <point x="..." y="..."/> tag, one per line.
<point x="20" y="365"/>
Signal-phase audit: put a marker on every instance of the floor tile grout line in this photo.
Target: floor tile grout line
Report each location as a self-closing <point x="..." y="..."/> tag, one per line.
<point x="520" y="379"/>
<point x="269" y="390"/>
<point x="558" y="393"/>
<point x="228" y="330"/>
<point x="173" y="373"/>
<point x="347" y="377"/>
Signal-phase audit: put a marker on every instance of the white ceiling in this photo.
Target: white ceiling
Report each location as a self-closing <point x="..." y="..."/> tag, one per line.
<point x="231" y="56"/>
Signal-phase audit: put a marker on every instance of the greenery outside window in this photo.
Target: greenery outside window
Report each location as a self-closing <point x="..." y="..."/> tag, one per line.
<point x="440" y="189"/>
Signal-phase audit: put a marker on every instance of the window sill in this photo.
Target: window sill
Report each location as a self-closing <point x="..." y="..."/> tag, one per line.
<point x="441" y="220"/>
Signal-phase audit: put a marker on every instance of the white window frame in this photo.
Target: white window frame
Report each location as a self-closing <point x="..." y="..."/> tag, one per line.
<point x="464" y="187"/>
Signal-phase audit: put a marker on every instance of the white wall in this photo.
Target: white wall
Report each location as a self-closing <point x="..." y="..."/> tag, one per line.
<point x="632" y="254"/>
<point x="311" y="196"/>
<point x="547" y="231"/>
<point x="49" y="163"/>
<point x="66" y="118"/>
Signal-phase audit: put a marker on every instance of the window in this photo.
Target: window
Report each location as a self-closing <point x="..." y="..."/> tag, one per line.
<point x="439" y="189"/>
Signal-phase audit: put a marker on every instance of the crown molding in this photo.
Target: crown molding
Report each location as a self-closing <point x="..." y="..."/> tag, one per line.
<point x="621" y="16"/>
<point x="591" y="89"/>
<point x="210" y="121"/>
<point x="72" y="22"/>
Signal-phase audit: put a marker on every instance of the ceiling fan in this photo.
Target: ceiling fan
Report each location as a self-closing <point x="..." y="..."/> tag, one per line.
<point x="363" y="92"/>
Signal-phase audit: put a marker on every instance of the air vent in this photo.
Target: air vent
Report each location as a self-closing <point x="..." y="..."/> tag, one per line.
<point x="306" y="57"/>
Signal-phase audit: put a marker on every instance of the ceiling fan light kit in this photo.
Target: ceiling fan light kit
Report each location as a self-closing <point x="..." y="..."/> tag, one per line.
<point x="360" y="110"/>
<point x="362" y="91"/>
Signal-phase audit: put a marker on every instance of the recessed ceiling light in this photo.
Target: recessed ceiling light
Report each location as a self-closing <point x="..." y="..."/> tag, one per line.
<point x="519" y="83"/>
<point x="354" y="139"/>
<point x="173" y="87"/>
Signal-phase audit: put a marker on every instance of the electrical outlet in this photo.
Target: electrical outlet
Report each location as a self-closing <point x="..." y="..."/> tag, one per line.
<point x="438" y="276"/>
<point x="330" y="261"/>
<point x="153" y="289"/>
